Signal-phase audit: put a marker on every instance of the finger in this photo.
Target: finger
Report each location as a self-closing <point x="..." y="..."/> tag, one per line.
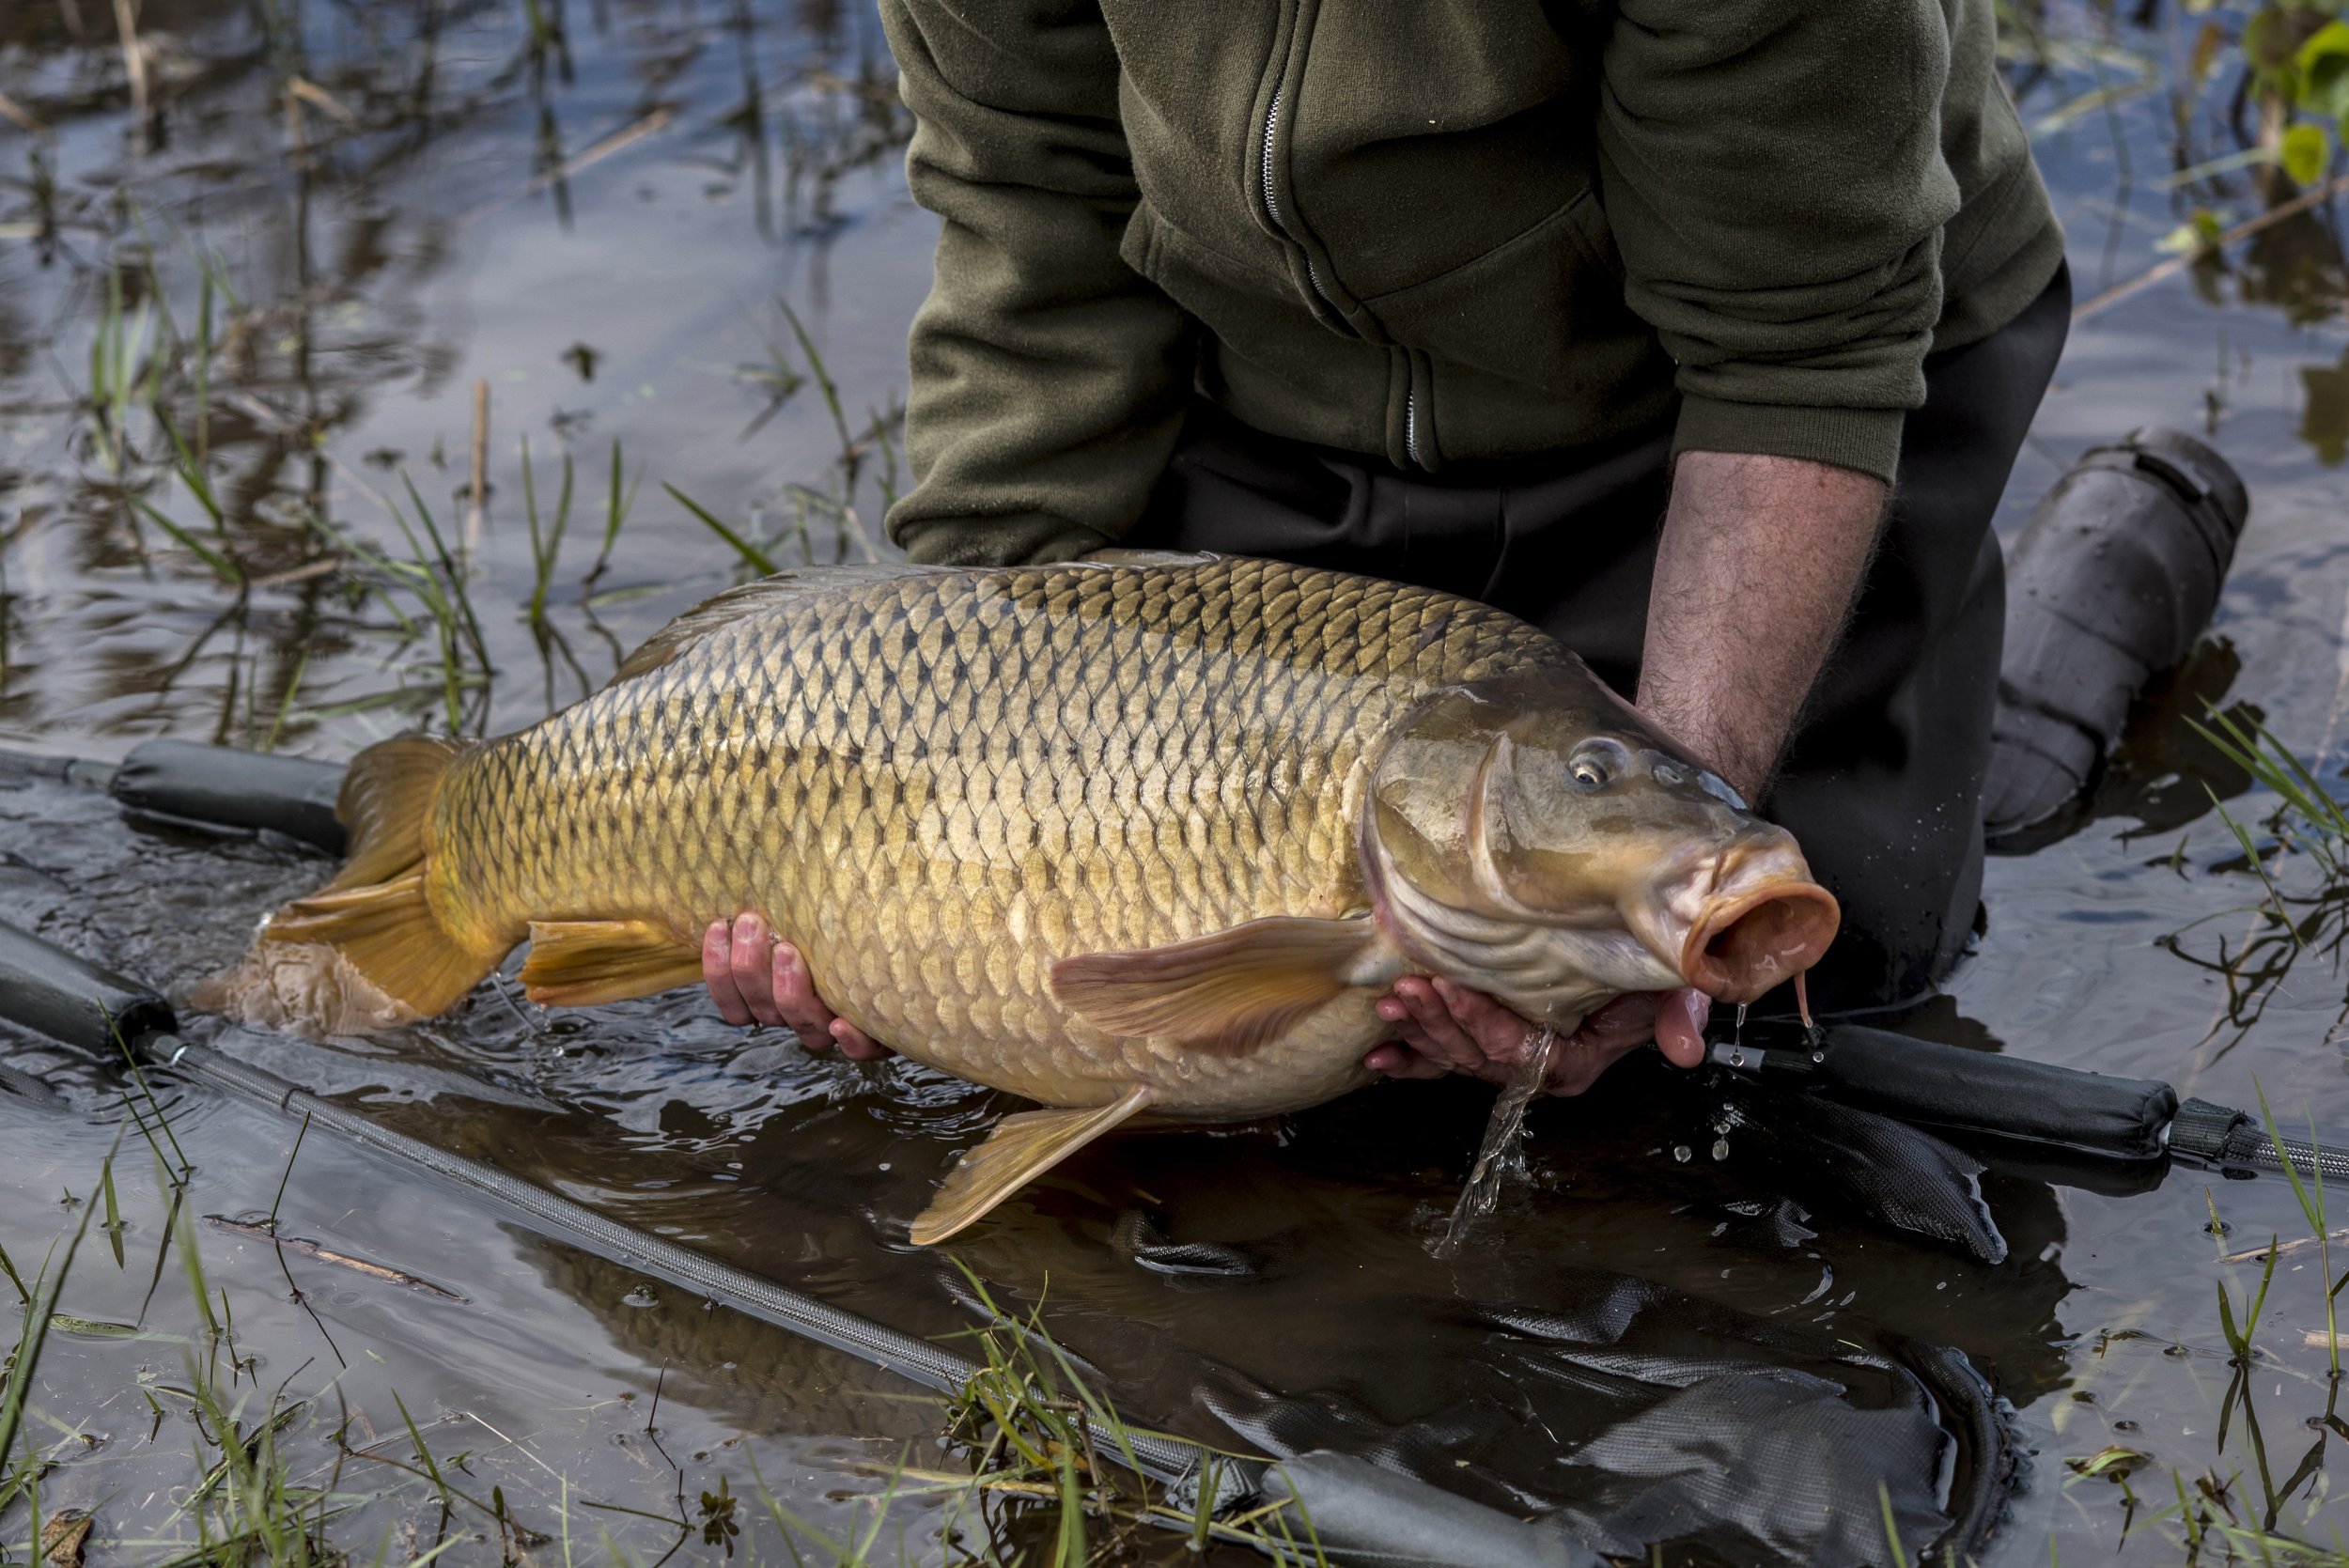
<point x="797" y="1005"/>
<point x="1410" y="1054"/>
<point x="1500" y="1033"/>
<point x="1581" y="1066"/>
<point x="753" y="968"/>
<point x="1432" y="1029"/>
<point x="1680" y="1026"/>
<point x="856" y="1045"/>
<point x="1629" y="1019"/>
<point x="718" y="973"/>
<point x="1397" y="1061"/>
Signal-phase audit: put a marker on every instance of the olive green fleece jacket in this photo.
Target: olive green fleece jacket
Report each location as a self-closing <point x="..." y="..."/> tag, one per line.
<point x="1437" y="231"/>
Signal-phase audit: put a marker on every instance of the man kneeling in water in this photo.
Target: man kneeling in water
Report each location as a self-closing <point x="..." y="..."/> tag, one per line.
<point x="1470" y="300"/>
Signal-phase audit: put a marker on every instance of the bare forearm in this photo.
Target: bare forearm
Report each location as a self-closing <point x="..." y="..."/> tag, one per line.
<point x="1759" y="560"/>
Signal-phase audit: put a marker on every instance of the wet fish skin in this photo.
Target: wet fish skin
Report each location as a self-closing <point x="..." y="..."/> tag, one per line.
<point x="937" y="784"/>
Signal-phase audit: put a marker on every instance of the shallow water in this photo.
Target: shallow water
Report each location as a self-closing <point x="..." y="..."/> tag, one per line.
<point x="598" y="225"/>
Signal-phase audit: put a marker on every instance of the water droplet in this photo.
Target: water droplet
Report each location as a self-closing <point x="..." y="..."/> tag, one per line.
<point x="1682" y="1153"/>
<point x="1720" y="1148"/>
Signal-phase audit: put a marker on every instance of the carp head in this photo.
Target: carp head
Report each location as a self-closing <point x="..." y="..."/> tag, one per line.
<point x="1537" y="839"/>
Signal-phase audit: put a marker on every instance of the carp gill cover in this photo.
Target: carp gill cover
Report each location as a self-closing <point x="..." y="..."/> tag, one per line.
<point x="1146" y="835"/>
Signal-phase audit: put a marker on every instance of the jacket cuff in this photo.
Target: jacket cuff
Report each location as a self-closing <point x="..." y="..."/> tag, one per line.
<point x="1867" y="440"/>
<point x="1029" y="539"/>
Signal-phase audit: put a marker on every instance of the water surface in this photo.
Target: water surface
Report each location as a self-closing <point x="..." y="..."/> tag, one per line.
<point x="619" y="218"/>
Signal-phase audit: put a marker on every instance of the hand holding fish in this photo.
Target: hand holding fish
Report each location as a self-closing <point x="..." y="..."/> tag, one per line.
<point x="754" y="978"/>
<point x="1447" y="1028"/>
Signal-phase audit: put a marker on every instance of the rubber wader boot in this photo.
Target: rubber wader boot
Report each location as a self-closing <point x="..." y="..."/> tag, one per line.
<point x="2111" y="581"/>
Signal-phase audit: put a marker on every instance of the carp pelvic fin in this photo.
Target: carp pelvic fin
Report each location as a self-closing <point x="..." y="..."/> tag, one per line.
<point x="382" y="956"/>
<point x="1020" y="1149"/>
<point x="579" y="963"/>
<point x="1227" y="992"/>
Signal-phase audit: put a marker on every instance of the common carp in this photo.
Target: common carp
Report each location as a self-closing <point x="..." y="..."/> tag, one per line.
<point x="1137" y="836"/>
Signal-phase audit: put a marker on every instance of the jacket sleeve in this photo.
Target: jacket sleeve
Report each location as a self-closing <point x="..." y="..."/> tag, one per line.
<point x="1773" y="173"/>
<point x="1048" y="377"/>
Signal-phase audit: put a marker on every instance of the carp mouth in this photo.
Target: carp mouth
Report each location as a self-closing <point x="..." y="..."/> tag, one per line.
<point x="1755" y="940"/>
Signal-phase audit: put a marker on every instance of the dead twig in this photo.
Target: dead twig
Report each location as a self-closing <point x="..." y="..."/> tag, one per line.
<point x="326" y="1254"/>
<point x="11" y="109"/>
<point x="619" y="140"/>
<point x="134" y="64"/>
<point x="480" y="495"/>
<point x="2177" y="264"/>
<point x="2285" y="1249"/>
<point x="318" y="97"/>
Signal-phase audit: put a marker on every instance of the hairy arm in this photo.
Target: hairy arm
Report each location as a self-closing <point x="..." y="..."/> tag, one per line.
<point x="1755" y="575"/>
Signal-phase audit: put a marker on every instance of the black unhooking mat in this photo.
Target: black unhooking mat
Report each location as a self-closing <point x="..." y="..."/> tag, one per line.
<point x="1631" y="1415"/>
<point x="1618" y="1414"/>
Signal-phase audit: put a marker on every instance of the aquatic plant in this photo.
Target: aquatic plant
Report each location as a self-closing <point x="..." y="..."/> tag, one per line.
<point x="2300" y="918"/>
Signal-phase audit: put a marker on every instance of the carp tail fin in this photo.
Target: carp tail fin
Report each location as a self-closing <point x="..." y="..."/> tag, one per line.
<point x="367" y="950"/>
<point x="1020" y="1149"/>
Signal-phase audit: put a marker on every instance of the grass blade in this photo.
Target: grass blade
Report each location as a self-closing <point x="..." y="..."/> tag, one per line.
<point x="742" y="547"/>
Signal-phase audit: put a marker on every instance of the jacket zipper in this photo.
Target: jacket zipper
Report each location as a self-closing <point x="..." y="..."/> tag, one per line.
<point x="1272" y="203"/>
<point x="1312" y="272"/>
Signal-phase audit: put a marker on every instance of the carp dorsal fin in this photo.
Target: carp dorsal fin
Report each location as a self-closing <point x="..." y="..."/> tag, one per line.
<point x="1227" y="992"/>
<point x="1118" y="555"/>
<point x="724" y="610"/>
<point x="1020" y="1149"/>
<point x="579" y="963"/>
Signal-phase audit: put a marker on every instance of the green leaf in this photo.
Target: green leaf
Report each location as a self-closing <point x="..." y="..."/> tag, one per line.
<point x="2323" y="62"/>
<point x="2198" y="233"/>
<point x="2306" y="149"/>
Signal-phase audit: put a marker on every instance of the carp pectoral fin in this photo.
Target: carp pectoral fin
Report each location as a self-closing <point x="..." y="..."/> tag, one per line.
<point x="1228" y="992"/>
<point x="579" y="963"/>
<point x="1020" y="1149"/>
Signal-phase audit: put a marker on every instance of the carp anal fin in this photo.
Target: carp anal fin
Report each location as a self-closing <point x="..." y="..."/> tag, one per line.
<point x="1227" y="992"/>
<point x="579" y="963"/>
<point x="390" y="956"/>
<point x="735" y="604"/>
<point x="1020" y="1149"/>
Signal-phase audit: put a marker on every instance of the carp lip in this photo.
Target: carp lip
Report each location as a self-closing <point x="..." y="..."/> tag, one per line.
<point x="1748" y="943"/>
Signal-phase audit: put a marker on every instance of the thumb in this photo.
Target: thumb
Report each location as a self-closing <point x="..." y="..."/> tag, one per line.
<point x="1680" y="1026"/>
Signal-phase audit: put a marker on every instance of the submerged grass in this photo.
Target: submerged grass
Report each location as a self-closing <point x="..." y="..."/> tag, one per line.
<point x="2302" y="917"/>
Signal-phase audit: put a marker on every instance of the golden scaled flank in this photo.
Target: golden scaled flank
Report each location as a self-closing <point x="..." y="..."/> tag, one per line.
<point x="940" y="783"/>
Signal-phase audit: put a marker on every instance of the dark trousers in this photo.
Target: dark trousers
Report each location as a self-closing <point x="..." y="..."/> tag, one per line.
<point x="1882" y="782"/>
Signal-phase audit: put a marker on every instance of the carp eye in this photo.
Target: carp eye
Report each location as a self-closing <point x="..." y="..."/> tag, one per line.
<point x="1593" y="766"/>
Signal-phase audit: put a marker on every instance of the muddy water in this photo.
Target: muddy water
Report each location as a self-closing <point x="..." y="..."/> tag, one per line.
<point x="600" y="211"/>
